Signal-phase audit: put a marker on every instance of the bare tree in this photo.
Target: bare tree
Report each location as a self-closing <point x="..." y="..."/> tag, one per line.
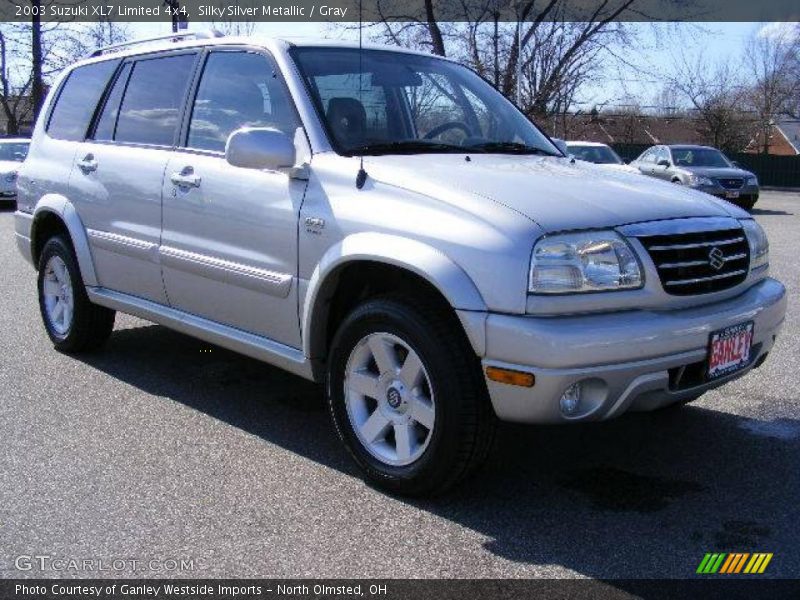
<point x="85" y="37"/>
<point x="33" y="53"/>
<point x="231" y="27"/>
<point x="46" y="46"/>
<point x="559" y="56"/>
<point x="774" y="64"/>
<point x="14" y="83"/>
<point x="717" y="96"/>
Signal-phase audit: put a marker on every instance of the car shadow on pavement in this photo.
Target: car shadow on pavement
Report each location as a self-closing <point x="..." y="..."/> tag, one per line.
<point x="646" y="495"/>
<point x="767" y="212"/>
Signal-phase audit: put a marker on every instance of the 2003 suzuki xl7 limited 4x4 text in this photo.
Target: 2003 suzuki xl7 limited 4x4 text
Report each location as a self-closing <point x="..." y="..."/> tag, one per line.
<point x="387" y="223"/>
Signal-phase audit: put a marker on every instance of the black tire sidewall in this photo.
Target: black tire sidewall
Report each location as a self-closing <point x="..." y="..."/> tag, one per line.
<point x="57" y="246"/>
<point x="442" y="450"/>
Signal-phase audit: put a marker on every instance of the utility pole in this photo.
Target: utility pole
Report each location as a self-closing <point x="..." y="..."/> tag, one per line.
<point x="37" y="83"/>
<point x="174" y="10"/>
<point x="519" y="62"/>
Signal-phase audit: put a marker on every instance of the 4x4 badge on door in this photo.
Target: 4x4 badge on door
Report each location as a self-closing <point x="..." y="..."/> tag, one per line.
<point x="314" y="224"/>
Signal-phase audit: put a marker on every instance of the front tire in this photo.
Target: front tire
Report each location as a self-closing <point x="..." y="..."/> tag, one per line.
<point x="406" y="396"/>
<point x="73" y="323"/>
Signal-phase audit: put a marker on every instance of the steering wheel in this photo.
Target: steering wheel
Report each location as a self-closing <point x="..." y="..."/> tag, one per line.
<point x="440" y="129"/>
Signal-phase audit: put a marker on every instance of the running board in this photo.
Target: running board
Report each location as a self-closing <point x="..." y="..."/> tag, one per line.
<point x="254" y="346"/>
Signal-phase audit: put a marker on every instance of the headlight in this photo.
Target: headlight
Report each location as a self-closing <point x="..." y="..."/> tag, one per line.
<point x="759" y="245"/>
<point x="10" y="177"/>
<point x="583" y="262"/>
<point x="699" y="180"/>
<point x="752" y="180"/>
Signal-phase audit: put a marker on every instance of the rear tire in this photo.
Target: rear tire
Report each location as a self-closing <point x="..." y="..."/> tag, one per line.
<point x="73" y="323"/>
<point x="402" y="369"/>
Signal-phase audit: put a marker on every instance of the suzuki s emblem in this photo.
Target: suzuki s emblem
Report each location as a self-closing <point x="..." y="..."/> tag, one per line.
<point x="716" y="258"/>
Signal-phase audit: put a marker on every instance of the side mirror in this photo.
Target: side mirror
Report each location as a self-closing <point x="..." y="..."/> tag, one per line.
<point x="260" y="148"/>
<point x="736" y="164"/>
<point x="663" y="163"/>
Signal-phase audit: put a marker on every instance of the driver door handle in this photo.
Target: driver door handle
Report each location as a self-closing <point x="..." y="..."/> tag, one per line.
<point x="87" y="164"/>
<point x="185" y="178"/>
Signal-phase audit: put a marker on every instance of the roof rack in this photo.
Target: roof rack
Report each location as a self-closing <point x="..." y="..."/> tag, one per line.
<point x="174" y="37"/>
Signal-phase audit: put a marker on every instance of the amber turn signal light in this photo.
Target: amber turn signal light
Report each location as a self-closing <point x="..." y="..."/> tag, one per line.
<point x="510" y="377"/>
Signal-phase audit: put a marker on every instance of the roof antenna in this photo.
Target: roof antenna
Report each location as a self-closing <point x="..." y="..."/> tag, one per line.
<point x="361" y="178"/>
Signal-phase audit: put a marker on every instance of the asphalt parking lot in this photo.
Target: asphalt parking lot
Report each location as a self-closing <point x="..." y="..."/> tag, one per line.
<point x="162" y="447"/>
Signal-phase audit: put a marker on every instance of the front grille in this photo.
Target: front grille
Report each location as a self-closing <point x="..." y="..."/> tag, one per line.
<point x="733" y="183"/>
<point x="687" y="262"/>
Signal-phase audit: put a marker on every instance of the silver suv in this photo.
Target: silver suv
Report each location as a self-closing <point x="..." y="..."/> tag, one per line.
<point x="387" y="223"/>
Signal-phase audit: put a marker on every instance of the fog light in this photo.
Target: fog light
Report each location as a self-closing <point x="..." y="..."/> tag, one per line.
<point x="571" y="399"/>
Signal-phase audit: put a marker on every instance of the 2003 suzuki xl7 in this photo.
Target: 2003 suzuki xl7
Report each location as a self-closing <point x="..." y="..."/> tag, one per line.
<point x="387" y="223"/>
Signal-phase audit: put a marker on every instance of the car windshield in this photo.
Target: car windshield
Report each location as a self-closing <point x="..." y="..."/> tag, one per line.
<point x="16" y="151"/>
<point x="383" y="102"/>
<point x="601" y="155"/>
<point x="699" y="157"/>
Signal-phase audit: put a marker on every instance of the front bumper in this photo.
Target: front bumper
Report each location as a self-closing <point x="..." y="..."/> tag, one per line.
<point x="747" y="194"/>
<point x="632" y="360"/>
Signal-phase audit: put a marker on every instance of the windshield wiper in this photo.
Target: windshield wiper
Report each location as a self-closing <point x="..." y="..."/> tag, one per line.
<point x="405" y="147"/>
<point x="510" y="148"/>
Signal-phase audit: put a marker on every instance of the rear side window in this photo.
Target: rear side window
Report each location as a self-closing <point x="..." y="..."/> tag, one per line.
<point x="153" y="97"/>
<point x="78" y="100"/>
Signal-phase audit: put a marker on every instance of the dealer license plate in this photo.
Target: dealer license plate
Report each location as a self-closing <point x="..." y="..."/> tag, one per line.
<point x="729" y="349"/>
<point x="732" y="194"/>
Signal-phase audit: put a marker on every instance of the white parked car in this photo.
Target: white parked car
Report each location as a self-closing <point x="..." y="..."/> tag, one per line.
<point x="385" y="223"/>
<point x="12" y="153"/>
<point x="599" y="154"/>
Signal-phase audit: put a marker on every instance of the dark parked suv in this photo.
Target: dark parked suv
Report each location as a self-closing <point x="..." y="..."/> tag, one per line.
<point x="702" y="168"/>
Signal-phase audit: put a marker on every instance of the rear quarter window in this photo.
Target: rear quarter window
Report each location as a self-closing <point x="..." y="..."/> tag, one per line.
<point x="78" y="100"/>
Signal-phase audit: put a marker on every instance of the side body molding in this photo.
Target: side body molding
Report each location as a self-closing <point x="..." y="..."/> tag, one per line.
<point x="415" y="256"/>
<point x="63" y="208"/>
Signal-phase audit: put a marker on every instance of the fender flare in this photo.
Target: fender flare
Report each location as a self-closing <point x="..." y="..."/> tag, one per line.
<point x="417" y="257"/>
<point x="64" y="210"/>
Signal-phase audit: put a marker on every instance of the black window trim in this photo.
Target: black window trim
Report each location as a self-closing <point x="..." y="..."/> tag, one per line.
<point x="182" y="144"/>
<point x="197" y="51"/>
<point x="104" y="101"/>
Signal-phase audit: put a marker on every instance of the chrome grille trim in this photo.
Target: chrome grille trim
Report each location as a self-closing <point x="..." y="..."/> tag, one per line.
<point x="700" y="279"/>
<point x="698" y="245"/>
<point x="691" y="260"/>
<point x="697" y="263"/>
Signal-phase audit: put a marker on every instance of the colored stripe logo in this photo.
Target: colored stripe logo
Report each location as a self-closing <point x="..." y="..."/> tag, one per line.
<point x="735" y="562"/>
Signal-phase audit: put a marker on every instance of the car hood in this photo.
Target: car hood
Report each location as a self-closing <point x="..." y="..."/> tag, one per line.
<point x="716" y="172"/>
<point x="6" y="166"/>
<point x="620" y="168"/>
<point x="554" y="192"/>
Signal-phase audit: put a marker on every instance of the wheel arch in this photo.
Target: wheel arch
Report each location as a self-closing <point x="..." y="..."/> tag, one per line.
<point x="55" y="213"/>
<point x="365" y="257"/>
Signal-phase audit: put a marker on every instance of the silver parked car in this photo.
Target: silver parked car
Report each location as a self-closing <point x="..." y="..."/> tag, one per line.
<point x="701" y="168"/>
<point x="386" y="223"/>
<point x="12" y="153"/>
